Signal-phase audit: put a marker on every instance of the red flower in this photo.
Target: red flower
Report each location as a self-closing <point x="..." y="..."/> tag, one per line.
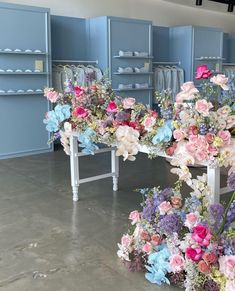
<point x="170" y="150"/>
<point x="203" y="72"/>
<point x="80" y="112"/>
<point x="210" y="258"/>
<point x="193" y="130"/>
<point x="78" y="91"/>
<point x="112" y="107"/>
<point x="194" y="254"/>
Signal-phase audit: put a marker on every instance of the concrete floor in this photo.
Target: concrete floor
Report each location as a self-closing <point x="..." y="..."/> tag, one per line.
<point x="49" y="243"/>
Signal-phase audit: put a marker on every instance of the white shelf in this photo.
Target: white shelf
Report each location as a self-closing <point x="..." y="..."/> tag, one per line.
<point x="134" y="73"/>
<point x="23" y="73"/>
<point x="132" y="57"/>
<point x="133" y="89"/>
<point x="22" y="53"/>
<point x="25" y="93"/>
<point x="209" y="59"/>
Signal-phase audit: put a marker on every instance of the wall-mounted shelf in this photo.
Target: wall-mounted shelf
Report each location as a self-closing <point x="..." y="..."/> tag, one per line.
<point x="74" y="62"/>
<point x="133" y="89"/>
<point x="23" y="73"/>
<point x="133" y="57"/>
<point x="22" y="53"/>
<point x="228" y="64"/>
<point x="167" y="63"/>
<point x="209" y="59"/>
<point x="134" y="73"/>
<point x="23" y="93"/>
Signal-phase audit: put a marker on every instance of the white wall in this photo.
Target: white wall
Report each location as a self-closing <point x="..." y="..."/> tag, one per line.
<point x="159" y="11"/>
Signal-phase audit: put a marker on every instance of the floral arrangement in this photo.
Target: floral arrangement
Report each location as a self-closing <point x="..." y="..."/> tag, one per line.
<point x="99" y="116"/>
<point x="190" y="244"/>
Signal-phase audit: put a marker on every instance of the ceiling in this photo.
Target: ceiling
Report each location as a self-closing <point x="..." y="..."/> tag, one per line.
<point x="209" y="5"/>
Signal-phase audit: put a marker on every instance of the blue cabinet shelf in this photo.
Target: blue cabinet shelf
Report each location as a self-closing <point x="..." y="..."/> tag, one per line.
<point x="133" y="89"/>
<point x="133" y="73"/>
<point x="23" y="93"/>
<point x="133" y="57"/>
<point x="23" y="73"/>
<point x="23" y="53"/>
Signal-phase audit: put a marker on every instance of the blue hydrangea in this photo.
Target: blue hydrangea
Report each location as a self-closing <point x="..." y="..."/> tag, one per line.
<point x="86" y="142"/>
<point x="158" y="266"/>
<point x="164" y="133"/>
<point x="56" y="116"/>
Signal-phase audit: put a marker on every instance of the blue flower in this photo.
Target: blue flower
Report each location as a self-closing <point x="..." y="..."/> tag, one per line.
<point x="164" y="133"/>
<point x="158" y="266"/>
<point x="56" y="116"/>
<point x="86" y="142"/>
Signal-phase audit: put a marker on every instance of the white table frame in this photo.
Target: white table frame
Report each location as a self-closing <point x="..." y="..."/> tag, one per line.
<point x="213" y="174"/>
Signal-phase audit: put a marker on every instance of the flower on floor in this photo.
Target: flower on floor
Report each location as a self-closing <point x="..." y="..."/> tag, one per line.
<point x="188" y="244"/>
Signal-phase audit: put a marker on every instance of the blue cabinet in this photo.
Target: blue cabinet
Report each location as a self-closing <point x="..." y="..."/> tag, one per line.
<point x="109" y="35"/>
<point x="25" y="69"/>
<point x="193" y="46"/>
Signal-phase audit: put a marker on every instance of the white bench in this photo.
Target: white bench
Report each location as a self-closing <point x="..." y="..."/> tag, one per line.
<point x="212" y="173"/>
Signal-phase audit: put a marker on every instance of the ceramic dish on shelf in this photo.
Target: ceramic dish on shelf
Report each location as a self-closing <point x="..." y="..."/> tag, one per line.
<point x="38" y="90"/>
<point x="19" y="71"/>
<point x="37" y="71"/>
<point x="9" y="71"/>
<point x="2" y="91"/>
<point x="2" y="71"/>
<point x="38" y="51"/>
<point x="10" y="91"/>
<point x="30" y="90"/>
<point x="20" y="91"/>
<point x="28" y="51"/>
<point x="17" y="50"/>
<point x="28" y="71"/>
<point x="7" y="50"/>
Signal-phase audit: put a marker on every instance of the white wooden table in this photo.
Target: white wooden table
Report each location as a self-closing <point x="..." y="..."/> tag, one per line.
<point x="213" y="174"/>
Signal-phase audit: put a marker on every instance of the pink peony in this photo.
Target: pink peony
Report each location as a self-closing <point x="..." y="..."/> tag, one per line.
<point x="191" y="220"/>
<point x="227" y="266"/>
<point x="177" y="263"/>
<point x="212" y="150"/>
<point x="178" y="134"/>
<point x="198" y="147"/>
<point x="194" y="254"/>
<point x="187" y="93"/>
<point x="203" y="107"/>
<point x="128" y="102"/>
<point x="112" y="107"/>
<point x="81" y="112"/>
<point x="134" y="216"/>
<point x="149" y="122"/>
<point x="210" y="137"/>
<point x="221" y="81"/>
<point x="126" y="240"/>
<point x="201" y="155"/>
<point x="225" y="135"/>
<point x="51" y="95"/>
<point x="202" y="235"/>
<point x="165" y="207"/>
<point x="78" y="91"/>
<point x="203" y="72"/>
<point x="147" y="248"/>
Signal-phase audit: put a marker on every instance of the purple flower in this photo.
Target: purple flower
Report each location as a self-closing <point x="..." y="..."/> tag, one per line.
<point x="169" y="223"/>
<point x="149" y="210"/>
<point x="230" y="215"/>
<point x="211" y="285"/>
<point x="231" y="181"/>
<point x="216" y="212"/>
<point x="122" y="116"/>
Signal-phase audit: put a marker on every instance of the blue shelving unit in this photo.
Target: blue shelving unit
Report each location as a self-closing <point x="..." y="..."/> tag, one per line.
<point x="25" y="30"/>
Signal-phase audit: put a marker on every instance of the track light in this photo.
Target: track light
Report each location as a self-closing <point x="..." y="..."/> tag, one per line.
<point x="230" y="7"/>
<point x="198" y="2"/>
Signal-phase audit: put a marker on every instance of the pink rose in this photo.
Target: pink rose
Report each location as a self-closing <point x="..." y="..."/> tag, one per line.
<point x="210" y="137"/>
<point x="201" y="155"/>
<point x="221" y="81"/>
<point x="155" y="239"/>
<point x="194" y="254"/>
<point x="210" y="258"/>
<point x="149" y="122"/>
<point x="126" y="240"/>
<point x="202" y="235"/>
<point x="230" y="285"/>
<point x="78" y="91"/>
<point x="112" y="107"/>
<point x="193" y="130"/>
<point x="225" y="135"/>
<point x="177" y="263"/>
<point x="51" y="95"/>
<point x="187" y="93"/>
<point x="203" y="267"/>
<point x="81" y="112"/>
<point x="227" y="266"/>
<point x="147" y="248"/>
<point x="128" y="102"/>
<point x="191" y="220"/>
<point x="212" y="150"/>
<point x="165" y="207"/>
<point x="203" y="107"/>
<point x="134" y="216"/>
<point x="178" y="134"/>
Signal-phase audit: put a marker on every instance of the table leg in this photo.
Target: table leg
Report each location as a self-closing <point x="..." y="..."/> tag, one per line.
<point x="74" y="166"/>
<point x="213" y="175"/>
<point x="115" y="169"/>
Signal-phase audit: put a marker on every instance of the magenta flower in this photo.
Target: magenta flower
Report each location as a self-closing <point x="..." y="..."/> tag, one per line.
<point x="112" y="107"/>
<point x="202" y="235"/>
